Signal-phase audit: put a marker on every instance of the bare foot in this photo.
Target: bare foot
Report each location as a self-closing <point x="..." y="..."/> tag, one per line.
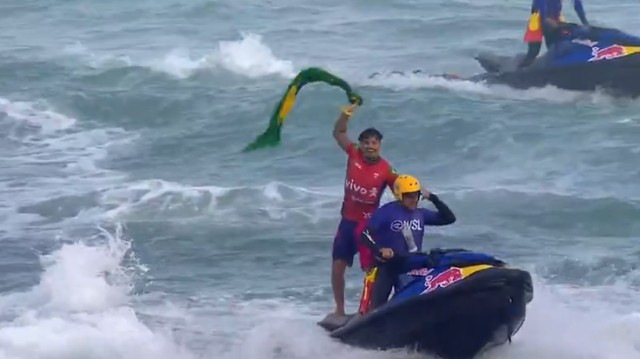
<point x="339" y="313"/>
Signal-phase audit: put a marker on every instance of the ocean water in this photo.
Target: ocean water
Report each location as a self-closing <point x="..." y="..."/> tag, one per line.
<point x="132" y="225"/>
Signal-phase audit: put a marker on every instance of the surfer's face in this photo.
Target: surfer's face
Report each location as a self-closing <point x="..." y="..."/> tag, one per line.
<point x="410" y="200"/>
<point x="370" y="148"/>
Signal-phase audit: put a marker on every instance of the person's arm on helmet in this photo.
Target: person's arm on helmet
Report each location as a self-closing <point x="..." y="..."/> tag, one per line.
<point x="340" y="127"/>
<point x="577" y="5"/>
<point x="442" y="217"/>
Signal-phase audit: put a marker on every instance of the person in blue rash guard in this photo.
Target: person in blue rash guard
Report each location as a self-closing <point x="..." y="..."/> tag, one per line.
<point x="396" y="229"/>
<point x="545" y="21"/>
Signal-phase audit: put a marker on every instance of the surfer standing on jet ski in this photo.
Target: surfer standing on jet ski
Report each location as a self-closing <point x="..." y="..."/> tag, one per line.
<point x="546" y="17"/>
<point x="367" y="176"/>
<point x="398" y="229"/>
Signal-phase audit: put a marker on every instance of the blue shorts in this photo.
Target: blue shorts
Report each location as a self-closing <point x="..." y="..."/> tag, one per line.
<point x="345" y="241"/>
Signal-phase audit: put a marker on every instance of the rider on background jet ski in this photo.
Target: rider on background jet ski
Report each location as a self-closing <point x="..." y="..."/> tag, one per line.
<point x="397" y="229"/>
<point x="545" y="20"/>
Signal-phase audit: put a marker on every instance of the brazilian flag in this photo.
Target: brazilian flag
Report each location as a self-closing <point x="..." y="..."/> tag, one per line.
<point x="271" y="136"/>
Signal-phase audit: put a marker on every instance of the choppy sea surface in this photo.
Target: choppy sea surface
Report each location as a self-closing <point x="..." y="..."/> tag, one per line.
<point x="132" y="224"/>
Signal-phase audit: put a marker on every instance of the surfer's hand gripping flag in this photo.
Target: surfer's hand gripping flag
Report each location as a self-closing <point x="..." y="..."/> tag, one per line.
<point x="271" y="137"/>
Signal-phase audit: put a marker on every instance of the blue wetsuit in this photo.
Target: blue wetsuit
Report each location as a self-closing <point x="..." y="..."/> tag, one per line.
<point x="385" y="230"/>
<point x="549" y="9"/>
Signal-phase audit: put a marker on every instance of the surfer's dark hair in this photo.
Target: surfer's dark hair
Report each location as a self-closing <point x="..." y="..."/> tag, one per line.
<point x="368" y="133"/>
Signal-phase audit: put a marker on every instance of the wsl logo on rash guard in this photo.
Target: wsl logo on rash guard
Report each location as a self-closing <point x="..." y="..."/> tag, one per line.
<point x="414" y="225"/>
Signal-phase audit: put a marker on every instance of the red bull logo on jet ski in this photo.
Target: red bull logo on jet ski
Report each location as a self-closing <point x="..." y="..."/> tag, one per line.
<point x="442" y="280"/>
<point x="612" y="52"/>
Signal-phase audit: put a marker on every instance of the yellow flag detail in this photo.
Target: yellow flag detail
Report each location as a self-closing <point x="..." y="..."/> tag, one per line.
<point x="271" y="136"/>
<point x="289" y="99"/>
<point x="534" y="22"/>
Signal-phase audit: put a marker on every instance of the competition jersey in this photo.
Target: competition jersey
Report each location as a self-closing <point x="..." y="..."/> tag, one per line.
<point x="364" y="184"/>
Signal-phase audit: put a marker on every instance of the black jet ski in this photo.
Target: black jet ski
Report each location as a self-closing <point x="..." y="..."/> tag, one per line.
<point x="584" y="59"/>
<point x="462" y="304"/>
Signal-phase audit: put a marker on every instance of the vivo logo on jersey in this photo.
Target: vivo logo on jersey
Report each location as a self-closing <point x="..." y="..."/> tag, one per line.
<point x="352" y="186"/>
<point x="414" y="225"/>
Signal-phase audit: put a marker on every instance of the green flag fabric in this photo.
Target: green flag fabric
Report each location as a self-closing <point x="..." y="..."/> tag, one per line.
<point x="271" y="136"/>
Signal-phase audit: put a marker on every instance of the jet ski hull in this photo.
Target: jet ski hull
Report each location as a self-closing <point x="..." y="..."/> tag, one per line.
<point x="457" y="321"/>
<point x="584" y="60"/>
<point x="619" y="77"/>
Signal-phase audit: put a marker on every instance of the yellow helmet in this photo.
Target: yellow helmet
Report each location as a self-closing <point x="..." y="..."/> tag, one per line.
<point x="405" y="184"/>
